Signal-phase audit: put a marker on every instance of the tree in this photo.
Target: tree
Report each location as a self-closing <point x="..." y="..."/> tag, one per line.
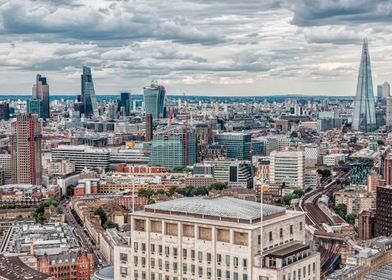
<point x="298" y="192"/>
<point x="350" y="218"/>
<point x="341" y="162"/>
<point x="145" y="192"/>
<point x="102" y="215"/>
<point x="110" y="224"/>
<point x="294" y="134"/>
<point x="380" y="142"/>
<point x="217" y="186"/>
<point x="341" y="210"/>
<point x="151" y="201"/>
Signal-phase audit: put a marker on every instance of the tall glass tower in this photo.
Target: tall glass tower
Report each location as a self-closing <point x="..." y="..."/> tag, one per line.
<point x="41" y="92"/>
<point x="88" y="97"/>
<point x="154" y="100"/>
<point x="364" y="118"/>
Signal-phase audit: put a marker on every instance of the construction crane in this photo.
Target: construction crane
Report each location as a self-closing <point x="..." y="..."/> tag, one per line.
<point x="170" y="112"/>
<point x="186" y="159"/>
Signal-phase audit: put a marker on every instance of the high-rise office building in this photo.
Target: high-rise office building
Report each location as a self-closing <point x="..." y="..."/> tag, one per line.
<point x="388" y="120"/>
<point x="384" y="211"/>
<point x="26" y="150"/>
<point x="4" y="111"/>
<point x="149" y="127"/>
<point x="125" y="103"/>
<point x="237" y="144"/>
<point x="169" y="147"/>
<point x="379" y="92"/>
<point x="386" y="90"/>
<point x="287" y="167"/>
<point x="41" y="92"/>
<point x="88" y="99"/>
<point x="216" y="238"/>
<point x="35" y="106"/>
<point x="388" y="170"/>
<point x="154" y="100"/>
<point x="364" y="118"/>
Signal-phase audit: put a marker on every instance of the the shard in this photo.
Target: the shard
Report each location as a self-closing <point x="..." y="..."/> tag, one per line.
<point x="364" y="118"/>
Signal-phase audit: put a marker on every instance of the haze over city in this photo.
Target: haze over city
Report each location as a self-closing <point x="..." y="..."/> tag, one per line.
<point x="198" y="47"/>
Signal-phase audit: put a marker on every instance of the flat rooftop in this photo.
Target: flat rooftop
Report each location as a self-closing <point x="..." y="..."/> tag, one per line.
<point x="216" y="208"/>
<point x="288" y="250"/>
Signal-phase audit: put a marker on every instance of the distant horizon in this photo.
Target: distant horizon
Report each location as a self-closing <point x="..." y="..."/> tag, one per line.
<point x="202" y="48"/>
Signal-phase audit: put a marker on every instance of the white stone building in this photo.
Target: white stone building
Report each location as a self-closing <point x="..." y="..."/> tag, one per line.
<point x="216" y="238"/>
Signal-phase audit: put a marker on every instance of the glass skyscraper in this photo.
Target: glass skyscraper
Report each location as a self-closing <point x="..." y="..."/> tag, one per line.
<point x="88" y="98"/>
<point x="364" y="118"/>
<point x="236" y="143"/>
<point x="41" y="92"/>
<point x="154" y="100"/>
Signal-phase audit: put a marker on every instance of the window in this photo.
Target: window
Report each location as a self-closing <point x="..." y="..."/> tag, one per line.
<point x="188" y="230"/>
<point x="167" y="250"/>
<point x="175" y="267"/>
<point x="135" y="246"/>
<point x="205" y="233"/>
<point x="167" y="265"/>
<point x="143" y="247"/>
<point x="184" y="253"/>
<point x="184" y="268"/>
<point x="209" y="257"/>
<point x="241" y="238"/>
<point x="245" y="263"/>
<point x="135" y="260"/>
<point x="160" y="248"/>
<point x="123" y="257"/>
<point x="300" y="226"/>
<point x="193" y="268"/>
<point x="227" y="260"/>
<point x="223" y="235"/>
<point x="267" y="278"/>
<point x="200" y="256"/>
<point x="209" y="271"/>
<point x="200" y="270"/>
<point x="270" y="236"/>
<point x="314" y="268"/>
<point x="227" y="274"/>
<point x="152" y="276"/>
<point x="219" y="258"/>
<point x="153" y="248"/>
<point x="175" y="252"/>
<point x="123" y="270"/>
<point x="219" y="273"/>
<point x="160" y="264"/>
<point x="152" y="263"/>
<point x="291" y="229"/>
<point x="304" y="269"/>
<point x="235" y="261"/>
<point x="245" y="276"/>
<point x="193" y="253"/>
<point x="143" y="261"/>
<point x="171" y="229"/>
<point x="235" y="275"/>
<point x="281" y="233"/>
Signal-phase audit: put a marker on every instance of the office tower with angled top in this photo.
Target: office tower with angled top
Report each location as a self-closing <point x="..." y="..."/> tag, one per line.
<point x="40" y="91"/>
<point x="364" y="118"/>
<point x="89" y="106"/>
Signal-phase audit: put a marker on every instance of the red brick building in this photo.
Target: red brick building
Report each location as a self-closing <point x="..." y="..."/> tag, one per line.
<point x="77" y="266"/>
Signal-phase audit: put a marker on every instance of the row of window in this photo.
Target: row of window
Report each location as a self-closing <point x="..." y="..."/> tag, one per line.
<point x="200" y="258"/>
<point x="220" y="275"/>
<point x="300" y="273"/>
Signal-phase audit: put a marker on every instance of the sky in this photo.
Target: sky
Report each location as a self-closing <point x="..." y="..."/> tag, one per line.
<point x="197" y="47"/>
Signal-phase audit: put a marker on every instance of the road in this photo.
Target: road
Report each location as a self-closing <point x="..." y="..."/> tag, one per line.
<point x="84" y="240"/>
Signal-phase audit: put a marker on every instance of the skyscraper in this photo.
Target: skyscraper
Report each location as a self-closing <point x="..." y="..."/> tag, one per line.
<point x="26" y="150"/>
<point x="364" y="118"/>
<point x="4" y="111"/>
<point x="125" y="102"/>
<point x="88" y="98"/>
<point x="154" y="100"/>
<point x="237" y="144"/>
<point x="149" y="127"/>
<point x="386" y="90"/>
<point x="41" y="92"/>
<point x="388" y="120"/>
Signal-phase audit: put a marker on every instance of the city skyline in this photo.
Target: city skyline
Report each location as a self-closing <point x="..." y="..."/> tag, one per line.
<point x="200" y="47"/>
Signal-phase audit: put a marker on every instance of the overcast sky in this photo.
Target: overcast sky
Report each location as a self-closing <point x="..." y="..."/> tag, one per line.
<point x="201" y="47"/>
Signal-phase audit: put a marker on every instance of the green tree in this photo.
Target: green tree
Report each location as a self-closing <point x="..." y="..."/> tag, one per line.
<point x="110" y="224"/>
<point x="350" y="218"/>
<point x="217" y="186"/>
<point x="145" y="192"/>
<point x="298" y="192"/>
<point x="151" y="201"/>
<point x="341" y="210"/>
<point x="102" y="215"/>
<point x="380" y="142"/>
<point x="294" y="134"/>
